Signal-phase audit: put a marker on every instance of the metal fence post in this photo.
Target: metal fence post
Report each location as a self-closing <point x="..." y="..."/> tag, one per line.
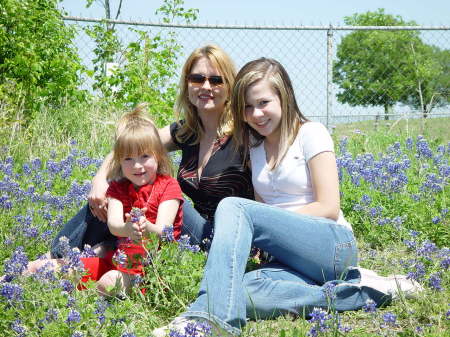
<point x="329" y="74"/>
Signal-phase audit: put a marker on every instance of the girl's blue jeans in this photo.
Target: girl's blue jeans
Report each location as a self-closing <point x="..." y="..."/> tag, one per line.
<point x="312" y="255"/>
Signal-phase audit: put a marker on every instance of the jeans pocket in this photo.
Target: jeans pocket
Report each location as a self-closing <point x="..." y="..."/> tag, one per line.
<point x="345" y="255"/>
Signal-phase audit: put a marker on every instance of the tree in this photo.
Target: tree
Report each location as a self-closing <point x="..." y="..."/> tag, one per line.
<point x="146" y="68"/>
<point x="374" y="68"/>
<point x="38" y="62"/>
<point x="430" y="83"/>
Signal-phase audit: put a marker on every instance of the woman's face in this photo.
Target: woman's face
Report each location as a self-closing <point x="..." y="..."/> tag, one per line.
<point x="263" y="109"/>
<point x="206" y="92"/>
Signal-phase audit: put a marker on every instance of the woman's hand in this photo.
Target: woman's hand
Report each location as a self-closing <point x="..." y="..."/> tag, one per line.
<point x="98" y="203"/>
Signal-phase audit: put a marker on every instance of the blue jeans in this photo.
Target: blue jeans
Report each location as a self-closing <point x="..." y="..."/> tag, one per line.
<point x="311" y="254"/>
<point x="195" y="225"/>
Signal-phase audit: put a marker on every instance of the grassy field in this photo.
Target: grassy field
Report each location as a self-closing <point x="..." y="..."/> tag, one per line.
<point x="394" y="184"/>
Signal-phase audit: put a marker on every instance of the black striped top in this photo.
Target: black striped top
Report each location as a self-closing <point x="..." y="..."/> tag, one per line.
<point x="224" y="175"/>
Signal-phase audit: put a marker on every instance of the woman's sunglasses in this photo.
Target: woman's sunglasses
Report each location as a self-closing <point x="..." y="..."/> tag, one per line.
<point x="198" y="79"/>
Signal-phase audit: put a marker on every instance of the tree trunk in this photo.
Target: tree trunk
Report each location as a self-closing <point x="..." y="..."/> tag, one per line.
<point x="387" y="110"/>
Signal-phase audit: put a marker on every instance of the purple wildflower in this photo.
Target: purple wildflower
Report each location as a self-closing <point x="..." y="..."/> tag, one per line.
<point x="12" y="292"/>
<point x="167" y="234"/>
<point x="66" y="285"/>
<point x="73" y="317"/>
<point x="436" y="220"/>
<point x="370" y="306"/>
<point x="51" y="315"/>
<point x="434" y="281"/>
<point x="18" y="328"/>
<point x="183" y="244"/>
<point x="120" y="258"/>
<point x="77" y="334"/>
<point x="329" y="290"/>
<point x="17" y="263"/>
<point x="389" y="319"/>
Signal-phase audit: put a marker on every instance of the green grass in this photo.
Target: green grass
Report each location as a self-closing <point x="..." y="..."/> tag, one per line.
<point x="173" y="280"/>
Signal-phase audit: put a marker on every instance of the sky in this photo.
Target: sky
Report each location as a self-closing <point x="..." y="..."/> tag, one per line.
<point x="272" y="12"/>
<point x="303" y="53"/>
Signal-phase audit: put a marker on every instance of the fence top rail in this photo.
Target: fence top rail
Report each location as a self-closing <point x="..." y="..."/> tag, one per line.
<point x="254" y="27"/>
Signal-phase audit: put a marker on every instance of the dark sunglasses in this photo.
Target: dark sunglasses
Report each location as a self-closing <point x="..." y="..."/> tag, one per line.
<point x="199" y="79"/>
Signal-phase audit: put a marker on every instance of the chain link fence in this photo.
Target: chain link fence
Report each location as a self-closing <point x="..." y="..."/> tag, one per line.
<point x="325" y="88"/>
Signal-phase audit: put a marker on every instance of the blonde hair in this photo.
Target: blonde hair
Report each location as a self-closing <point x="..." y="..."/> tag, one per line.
<point x="184" y="109"/>
<point x="291" y="119"/>
<point x="135" y="135"/>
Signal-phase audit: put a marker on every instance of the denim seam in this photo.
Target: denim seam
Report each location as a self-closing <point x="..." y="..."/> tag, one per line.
<point x="233" y="265"/>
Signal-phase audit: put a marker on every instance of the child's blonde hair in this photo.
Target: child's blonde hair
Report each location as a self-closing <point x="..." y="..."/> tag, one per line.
<point x="135" y="135"/>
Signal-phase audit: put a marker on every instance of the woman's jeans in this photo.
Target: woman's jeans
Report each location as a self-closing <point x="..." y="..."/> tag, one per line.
<point x="313" y="256"/>
<point x="85" y="229"/>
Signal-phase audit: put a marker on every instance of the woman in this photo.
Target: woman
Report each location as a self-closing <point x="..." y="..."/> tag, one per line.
<point x="296" y="219"/>
<point x="210" y="168"/>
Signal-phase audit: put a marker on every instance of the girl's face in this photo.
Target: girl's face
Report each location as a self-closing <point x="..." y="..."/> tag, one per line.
<point x="206" y="87"/>
<point x="139" y="169"/>
<point x="263" y="109"/>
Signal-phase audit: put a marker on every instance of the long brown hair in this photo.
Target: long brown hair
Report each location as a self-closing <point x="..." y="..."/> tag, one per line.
<point x="184" y="109"/>
<point x="135" y="135"/>
<point x="291" y="119"/>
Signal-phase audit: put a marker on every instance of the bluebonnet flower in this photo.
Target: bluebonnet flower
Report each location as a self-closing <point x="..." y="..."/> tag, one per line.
<point x="319" y="319"/>
<point x="77" y="334"/>
<point x="12" y="292"/>
<point x="167" y="234"/>
<point x="73" y="261"/>
<point x="329" y="290"/>
<point x="444" y="212"/>
<point x="51" y="315"/>
<point x="17" y="263"/>
<point x="434" y="281"/>
<point x="45" y="273"/>
<point x="444" y="255"/>
<point x="128" y="334"/>
<point x="418" y="272"/>
<point x="436" y="220"/>
<point x="447" y="314"/>
<point x="88" y="251"/>
<point x="31" y="232"/>
<point x="343" y="145"/>
<point x="6" y="202"/>
<point x="120" y="258"/>
<point x="423" y="148"/>
<point x="18" y="328"/>
<point x="366" y="200"/>
<point x="183" y="244"/>
<point x="67" y="285"/>
<point x="370" y="306"/>
<point x="73" y="317"/>
<point x="389" y="319"/>
<point x="426" y="249"/>
<point x="102" y="305"/>
<point x="70" y="300"/>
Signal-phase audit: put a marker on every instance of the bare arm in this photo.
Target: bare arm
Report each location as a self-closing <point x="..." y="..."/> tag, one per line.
<point x="166" y="139"/>
<point x="167" y="212"/>
<point x="97" y="195"/>
<point x="325" y="184"/>
<point x="116" y="224"/>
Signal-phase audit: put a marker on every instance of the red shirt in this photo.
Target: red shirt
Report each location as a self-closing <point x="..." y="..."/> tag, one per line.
<point x="151" y="196"/>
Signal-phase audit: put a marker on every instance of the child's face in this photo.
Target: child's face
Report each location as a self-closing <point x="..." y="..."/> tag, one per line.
<point x="139" y="169"/>
<point x="263" y="109"/>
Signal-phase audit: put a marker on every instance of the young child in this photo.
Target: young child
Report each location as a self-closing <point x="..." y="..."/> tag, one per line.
<point x="143" y="199"/>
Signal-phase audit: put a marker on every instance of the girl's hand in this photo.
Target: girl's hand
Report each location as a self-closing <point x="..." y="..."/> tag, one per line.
<point x="133" y="229"/>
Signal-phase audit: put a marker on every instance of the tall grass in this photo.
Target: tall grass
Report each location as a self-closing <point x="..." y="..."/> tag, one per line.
<point x="402" y="226"/>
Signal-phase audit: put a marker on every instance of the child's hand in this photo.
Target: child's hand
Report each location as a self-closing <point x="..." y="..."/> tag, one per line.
<point x="136" y="223"/>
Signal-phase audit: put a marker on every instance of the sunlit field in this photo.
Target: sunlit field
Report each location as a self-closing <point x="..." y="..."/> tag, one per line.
<point x="394" y="191"/>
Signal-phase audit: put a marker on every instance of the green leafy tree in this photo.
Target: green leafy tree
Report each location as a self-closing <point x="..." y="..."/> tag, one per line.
<point x="376" y="67"/>
<point x="146" y="69"/>
<point x="430" y="85"/>
<point x="38" y="62"/>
